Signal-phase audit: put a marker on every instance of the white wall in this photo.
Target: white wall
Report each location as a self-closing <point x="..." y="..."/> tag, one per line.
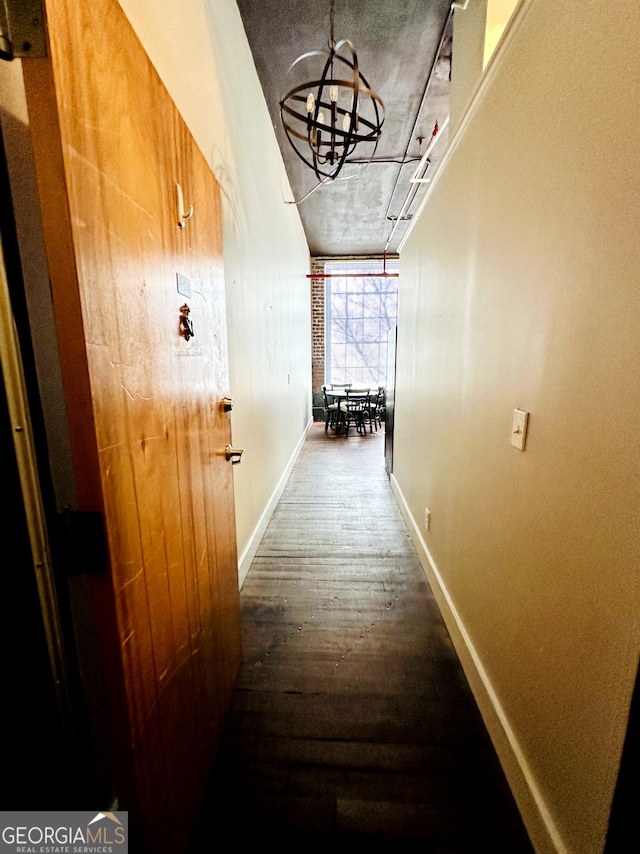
<point x="520" y="289"/>
<point x="202" y="55"/>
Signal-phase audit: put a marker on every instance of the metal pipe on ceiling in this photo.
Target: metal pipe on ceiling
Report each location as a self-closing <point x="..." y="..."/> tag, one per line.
<point x="423" y="99"/>
<point x="413" y="184"/>
<point x="353" y="275"/>
<point x="380" y="275"/>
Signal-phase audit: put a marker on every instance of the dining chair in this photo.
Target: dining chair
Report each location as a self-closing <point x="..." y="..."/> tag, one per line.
<point x="355" y="408"/>
<point x="333" y="415"/>
<point x="340" y="385"/>
<point x="376" y="409"/>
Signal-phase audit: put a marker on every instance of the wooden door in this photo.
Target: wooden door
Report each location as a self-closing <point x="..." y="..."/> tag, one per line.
<point x="148" y="429"/>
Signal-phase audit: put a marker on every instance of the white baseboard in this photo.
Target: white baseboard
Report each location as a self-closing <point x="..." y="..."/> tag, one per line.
<point x="536" y="815"/>
<point x="249" y="552"/>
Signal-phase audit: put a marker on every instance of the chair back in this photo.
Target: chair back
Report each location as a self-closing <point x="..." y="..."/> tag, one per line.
<point x="341" y="385"/>
<point x="358" y="398"/>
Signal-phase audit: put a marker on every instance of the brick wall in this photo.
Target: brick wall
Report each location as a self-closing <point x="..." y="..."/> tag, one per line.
<point x="317" y="326"/>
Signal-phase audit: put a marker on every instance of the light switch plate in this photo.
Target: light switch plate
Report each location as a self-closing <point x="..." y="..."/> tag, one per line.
<point x="519" y="429"/>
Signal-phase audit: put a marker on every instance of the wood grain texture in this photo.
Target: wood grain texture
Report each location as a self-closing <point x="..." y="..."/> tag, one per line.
<point x="147" y="427"/>
<point x="352" y="726"/>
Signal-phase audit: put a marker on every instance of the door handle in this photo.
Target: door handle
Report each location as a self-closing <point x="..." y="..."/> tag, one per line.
<point x="233" y="455"/>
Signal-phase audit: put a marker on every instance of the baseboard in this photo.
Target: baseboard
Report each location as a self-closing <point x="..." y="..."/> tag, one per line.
<point x="535" y="813"/>
<point x="249" y="551"/>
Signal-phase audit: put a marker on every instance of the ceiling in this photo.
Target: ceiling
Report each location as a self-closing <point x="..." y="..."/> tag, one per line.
<point x="404" y="52"/>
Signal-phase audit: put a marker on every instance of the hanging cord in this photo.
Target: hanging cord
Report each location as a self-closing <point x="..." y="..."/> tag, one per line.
<point x="332" y="41"/>
<point x="304" y="198"/>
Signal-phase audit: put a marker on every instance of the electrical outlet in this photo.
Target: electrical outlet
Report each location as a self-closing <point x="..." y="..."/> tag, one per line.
<point x="427" y="518"/>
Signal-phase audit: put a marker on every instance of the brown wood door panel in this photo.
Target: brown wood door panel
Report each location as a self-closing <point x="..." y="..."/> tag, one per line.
<point x="149" y="447"/>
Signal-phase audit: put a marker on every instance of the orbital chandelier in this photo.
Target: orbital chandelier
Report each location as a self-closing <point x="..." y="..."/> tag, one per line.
<point x="327" y="118"/>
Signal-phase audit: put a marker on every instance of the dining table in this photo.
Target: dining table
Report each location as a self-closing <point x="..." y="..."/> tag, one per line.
<point x="340" y="394"/>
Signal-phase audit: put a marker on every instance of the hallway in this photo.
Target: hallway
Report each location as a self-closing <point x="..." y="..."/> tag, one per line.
<point x="352" y="724"/>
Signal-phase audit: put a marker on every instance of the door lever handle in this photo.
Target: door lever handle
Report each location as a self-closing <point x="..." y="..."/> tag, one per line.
<point x="233" y="455"/>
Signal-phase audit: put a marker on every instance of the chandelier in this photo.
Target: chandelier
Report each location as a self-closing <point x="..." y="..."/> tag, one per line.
<point x="327" y="118"/>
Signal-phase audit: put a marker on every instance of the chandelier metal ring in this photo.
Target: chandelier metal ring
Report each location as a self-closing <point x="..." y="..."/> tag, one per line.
<point x="355" y="113"/>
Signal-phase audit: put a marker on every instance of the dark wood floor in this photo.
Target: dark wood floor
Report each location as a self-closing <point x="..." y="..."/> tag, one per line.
<point x="352" y="725"/>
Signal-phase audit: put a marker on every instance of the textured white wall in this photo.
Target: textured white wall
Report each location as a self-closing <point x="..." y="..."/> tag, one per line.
<point x="520" y="289"/>
<point x="202" y="55"/>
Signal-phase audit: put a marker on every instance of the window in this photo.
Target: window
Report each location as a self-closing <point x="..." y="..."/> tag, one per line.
<point x="360" y="310"/>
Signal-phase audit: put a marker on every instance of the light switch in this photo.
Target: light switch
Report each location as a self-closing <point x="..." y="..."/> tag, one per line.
<point x="519" y="429"/>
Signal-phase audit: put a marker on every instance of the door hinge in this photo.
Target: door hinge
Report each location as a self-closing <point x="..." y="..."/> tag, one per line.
<point x="83" y="542"/>
<point x="22" y="31"/>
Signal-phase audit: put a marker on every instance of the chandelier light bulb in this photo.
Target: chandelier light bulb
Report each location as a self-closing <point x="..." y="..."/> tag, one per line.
<point x="333" y="93"/>
<point x="310" y="102"/>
